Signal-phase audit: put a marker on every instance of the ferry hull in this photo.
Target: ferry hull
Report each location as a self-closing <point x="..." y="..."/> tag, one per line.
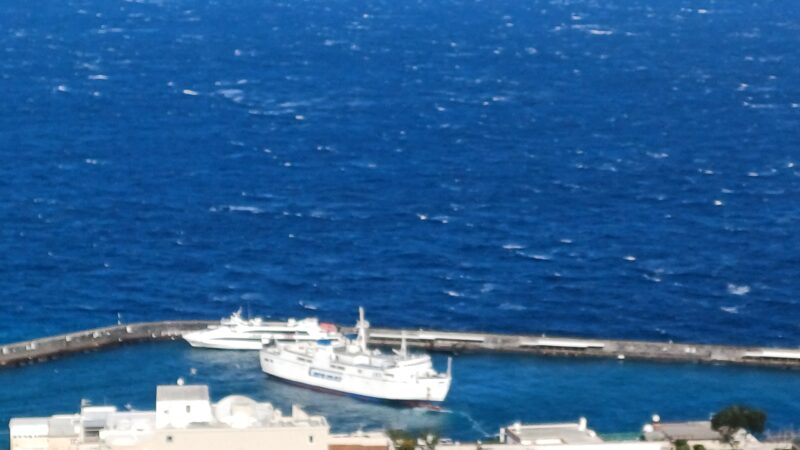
<point x="413" y="393"/>
<point x="421" y="404"/>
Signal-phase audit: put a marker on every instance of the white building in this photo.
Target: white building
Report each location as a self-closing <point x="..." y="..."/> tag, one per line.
<point x="563" y="436"/>
<point x="700" y="433"/>
<point x="184" y="419"/>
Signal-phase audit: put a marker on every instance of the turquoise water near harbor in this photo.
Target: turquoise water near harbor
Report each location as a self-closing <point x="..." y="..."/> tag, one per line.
<point x="618" y="168"/>
<point x="489" y="391"/>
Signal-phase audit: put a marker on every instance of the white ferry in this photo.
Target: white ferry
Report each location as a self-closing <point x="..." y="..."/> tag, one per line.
<point x="238" y="333"/>
<point x="349" y="367"/>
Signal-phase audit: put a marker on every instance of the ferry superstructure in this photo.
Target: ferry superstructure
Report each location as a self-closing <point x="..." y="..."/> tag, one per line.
<point x="350" y="367"/>
<point x="238" y="333"/>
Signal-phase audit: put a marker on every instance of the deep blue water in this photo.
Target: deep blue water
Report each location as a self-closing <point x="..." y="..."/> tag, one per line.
<point x="613" y="168"/>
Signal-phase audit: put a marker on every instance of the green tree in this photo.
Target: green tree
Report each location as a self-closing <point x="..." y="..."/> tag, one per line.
<point x="738" y="417"/>
<point x="430" y="439"/>
<point x="403" y="440"/>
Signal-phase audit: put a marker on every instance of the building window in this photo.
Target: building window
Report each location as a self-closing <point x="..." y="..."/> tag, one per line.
<point x="311" y="439"/>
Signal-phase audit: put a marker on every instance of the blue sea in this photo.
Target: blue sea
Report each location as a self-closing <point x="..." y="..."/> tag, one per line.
<point x="625" y="169"/>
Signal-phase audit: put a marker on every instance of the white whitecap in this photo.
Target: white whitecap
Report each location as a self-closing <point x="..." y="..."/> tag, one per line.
<point x="513" y="246"/>
<point x="629" y="258"/>
<point x="730" y="309"/>
<point x="738" y="289"/>
<point x="453" y="293"/>
<point x="653" y="278"/>
<point x="512" y="307"/>
<point x="190" y="92"/>
<point x="308" y="306"/>
<point x="232" y="94"/>
<point x="487" y="287"/>
<point x="536" y="256"/>
<point x="240" y="208"/>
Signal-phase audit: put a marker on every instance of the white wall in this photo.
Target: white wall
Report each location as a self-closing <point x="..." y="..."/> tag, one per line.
<point x="180" y="413"/>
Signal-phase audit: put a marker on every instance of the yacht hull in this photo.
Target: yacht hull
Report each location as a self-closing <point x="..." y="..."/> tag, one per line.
<point x="221" y="343"/>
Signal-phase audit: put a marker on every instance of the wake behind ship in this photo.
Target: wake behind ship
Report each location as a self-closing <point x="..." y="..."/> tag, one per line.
<point x="350" y="367"/>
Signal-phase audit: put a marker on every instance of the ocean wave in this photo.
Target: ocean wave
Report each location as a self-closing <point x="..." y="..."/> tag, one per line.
<point x="740" y="290"/>
<point x="237" y="208"/>
<point x="512" y="307"/>
<point x="535" y="256"/>
<point x="730" y="309"/>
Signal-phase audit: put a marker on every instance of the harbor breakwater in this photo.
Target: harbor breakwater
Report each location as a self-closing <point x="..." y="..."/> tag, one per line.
<point x="42" y="349"/>
<point x="598" y="348"/>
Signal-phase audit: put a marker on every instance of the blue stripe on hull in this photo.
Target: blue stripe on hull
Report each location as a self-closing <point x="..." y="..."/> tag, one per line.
<point x="385" y="401"/>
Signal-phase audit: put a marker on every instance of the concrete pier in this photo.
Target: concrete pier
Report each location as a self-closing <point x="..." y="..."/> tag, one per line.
<point x="51" y="347"/>
<point x="439" y="341"/>
<point x="597" y="348"/>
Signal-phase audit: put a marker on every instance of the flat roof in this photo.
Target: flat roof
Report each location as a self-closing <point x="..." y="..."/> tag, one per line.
<point x="176" y="392"/>
<point x="63" y="425"/>
<point x="697" y="431"/>
<point x="555" y="433"/>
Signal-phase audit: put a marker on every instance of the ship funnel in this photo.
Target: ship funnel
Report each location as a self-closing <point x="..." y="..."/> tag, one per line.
<point x="449" y="367"/>
<point x="362" y="326"/>
<point x="403" y="345"/>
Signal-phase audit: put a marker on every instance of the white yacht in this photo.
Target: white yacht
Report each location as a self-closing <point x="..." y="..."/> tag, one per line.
<point x="350" y="367"/>
<point x="238" y="333"/>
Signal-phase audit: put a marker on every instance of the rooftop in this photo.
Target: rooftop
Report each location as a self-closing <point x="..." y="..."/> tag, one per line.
<point x="695" y="431"/>
<point x="186" y="407"/>
<point x="550" y="434"/>
<point x="182" y="393"/>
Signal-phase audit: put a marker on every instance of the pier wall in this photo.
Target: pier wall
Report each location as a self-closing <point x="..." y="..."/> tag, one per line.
<point x="51" y="347"/>
<point x="439" y="341"/>
<point x="597" y="348"/>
